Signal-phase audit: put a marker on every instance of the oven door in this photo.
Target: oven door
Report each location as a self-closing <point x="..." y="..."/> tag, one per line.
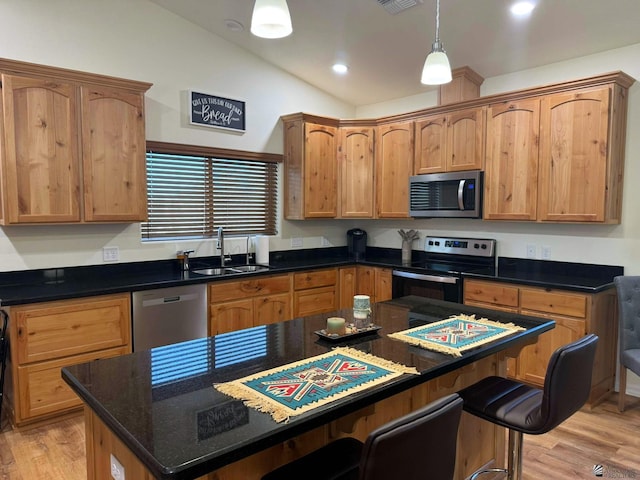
<point x="441" y="287"/>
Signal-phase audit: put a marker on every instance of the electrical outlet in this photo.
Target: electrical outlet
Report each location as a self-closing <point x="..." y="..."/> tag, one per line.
<point x="531" y="251"/>
<point x="296" y="242"/>
<point x="325" y="242"/>
<point x="117" y="470"/>
<point x="546" y="252"/>
<point x="110" y="254"/>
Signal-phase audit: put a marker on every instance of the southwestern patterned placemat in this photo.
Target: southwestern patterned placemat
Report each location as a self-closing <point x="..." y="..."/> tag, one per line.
<point x="299" y="387"/>
<point x="456" y="334"/>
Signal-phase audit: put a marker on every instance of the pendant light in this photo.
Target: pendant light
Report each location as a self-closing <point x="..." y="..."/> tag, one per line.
<point x="271" y="19"/>
<point x="436" y="70"/>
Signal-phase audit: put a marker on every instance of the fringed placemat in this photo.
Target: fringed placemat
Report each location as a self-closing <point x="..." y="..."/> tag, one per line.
<point x="299" y="387"/>
<point x="456" y="334"/>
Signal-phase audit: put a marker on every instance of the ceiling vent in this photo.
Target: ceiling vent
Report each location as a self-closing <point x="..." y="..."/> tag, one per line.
<point x="397" y="6"/>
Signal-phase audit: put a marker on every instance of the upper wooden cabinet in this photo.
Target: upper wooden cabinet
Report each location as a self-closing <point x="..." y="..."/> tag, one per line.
<point x="356" y="160"/>
<point x="511" y="166"/>
<point x="393" y="160"/>
<point x="113" y="155"/>
<point x="449" y="143"/>
<point x="553" y="153"/>
<point x="311" y="168"/>
<point x="582" y="155"/>
<point x="40" y="159"/>
<point x="557" y="157"/>
<point x="72" y="146"/>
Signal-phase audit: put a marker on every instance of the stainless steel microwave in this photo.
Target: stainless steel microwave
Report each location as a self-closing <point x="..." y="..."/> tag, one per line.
<point x="452" y="194"/>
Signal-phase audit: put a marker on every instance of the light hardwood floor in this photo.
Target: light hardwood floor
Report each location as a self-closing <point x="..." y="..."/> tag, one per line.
<point x="600" y="437"/>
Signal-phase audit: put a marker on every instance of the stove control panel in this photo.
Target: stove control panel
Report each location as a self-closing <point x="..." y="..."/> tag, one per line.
<point x="479" y="247"/>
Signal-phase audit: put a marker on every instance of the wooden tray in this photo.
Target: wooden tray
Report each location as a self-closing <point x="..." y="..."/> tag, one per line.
<point x="347" y="336"/>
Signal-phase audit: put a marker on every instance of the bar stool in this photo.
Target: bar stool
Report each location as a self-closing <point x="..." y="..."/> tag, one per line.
<point x="525" y="409"/>
<point x="416" y="446"/>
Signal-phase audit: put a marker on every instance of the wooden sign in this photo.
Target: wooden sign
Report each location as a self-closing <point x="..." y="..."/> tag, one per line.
<point x="218" y="112"/>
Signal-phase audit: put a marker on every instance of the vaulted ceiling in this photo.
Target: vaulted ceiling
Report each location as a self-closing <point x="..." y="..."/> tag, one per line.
<point x="385" y="52"/>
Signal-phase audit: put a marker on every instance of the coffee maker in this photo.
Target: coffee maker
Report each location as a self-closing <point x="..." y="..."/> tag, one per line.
<point x="356" y="244"/>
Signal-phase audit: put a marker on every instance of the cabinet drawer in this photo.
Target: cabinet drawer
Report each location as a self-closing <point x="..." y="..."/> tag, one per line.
<point x="313" y="301"/>
<point x="313" y="279"/>
<point x="238" y="289"/>
<point x="42" y="389"/>
<point x="70" y="327"/>
<point x="573" y="305"/>
<point x="491" y="292"/>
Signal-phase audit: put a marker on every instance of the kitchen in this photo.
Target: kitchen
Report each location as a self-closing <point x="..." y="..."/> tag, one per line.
<point x="147" y="36"/>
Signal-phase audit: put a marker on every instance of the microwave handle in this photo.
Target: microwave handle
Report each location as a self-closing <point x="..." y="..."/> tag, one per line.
<point x="461" y="194"/>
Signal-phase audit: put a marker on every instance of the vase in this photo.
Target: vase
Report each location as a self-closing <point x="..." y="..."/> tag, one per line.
<point x="406" y="252"/>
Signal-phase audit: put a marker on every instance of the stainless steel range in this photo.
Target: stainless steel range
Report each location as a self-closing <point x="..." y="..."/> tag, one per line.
<point x="438" y="272"/>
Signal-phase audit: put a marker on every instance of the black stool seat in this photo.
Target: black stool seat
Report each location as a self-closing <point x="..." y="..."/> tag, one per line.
<point x="526" y="409"/>
<point x="416" y="446"/>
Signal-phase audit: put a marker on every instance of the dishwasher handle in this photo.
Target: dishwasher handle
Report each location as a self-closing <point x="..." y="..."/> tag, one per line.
<point x="151" y="302"/>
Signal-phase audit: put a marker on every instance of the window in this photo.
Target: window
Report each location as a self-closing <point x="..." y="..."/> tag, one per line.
<point x="194" y="190"/>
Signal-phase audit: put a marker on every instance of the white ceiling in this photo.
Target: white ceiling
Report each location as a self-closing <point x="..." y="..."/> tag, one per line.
<point x="385" y="52"/>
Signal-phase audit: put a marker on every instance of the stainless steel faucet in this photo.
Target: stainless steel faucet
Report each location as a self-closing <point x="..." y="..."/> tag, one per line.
<point x="185" y="259"/>
<point x="221" y="245"/>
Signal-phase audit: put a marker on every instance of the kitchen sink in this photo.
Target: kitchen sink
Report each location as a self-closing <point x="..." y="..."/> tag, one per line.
<point x="230" y="270"/>
<point x="248" y="268"/>
<point x="212" y="271"/>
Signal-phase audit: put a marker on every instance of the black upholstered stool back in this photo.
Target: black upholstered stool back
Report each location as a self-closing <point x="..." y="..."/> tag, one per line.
<point x="417" y="446"/>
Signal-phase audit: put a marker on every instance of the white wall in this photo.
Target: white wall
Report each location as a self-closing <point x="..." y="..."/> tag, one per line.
<point x="137" y="39"/>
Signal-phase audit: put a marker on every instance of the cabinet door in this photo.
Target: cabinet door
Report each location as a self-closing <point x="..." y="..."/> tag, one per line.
<point x="366" y="281"/>
<point x="230" y="316"/>
<point x="320" y="171"/>
<point x="113" y="155"/>
<point x="355" y="156"/>
<point x="383" y="278"/>
<point x="533" y="360"/>
<point x="314" y="301"/>
<point x="511" y="165"/>
<point x="394" y="165"/>
<point x="272" y="309"/>
<point x="573" y="156"/>
<point x="52" y="330"/>
<point x="348" y="283"/>
<point x="42" y="391"/>
<point x="465" y="140"/>
<point x="430" y="149"/>
<point x="41" y="162"/>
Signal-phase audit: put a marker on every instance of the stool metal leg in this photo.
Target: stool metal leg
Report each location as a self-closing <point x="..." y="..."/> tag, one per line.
<point x="515" y="455"/>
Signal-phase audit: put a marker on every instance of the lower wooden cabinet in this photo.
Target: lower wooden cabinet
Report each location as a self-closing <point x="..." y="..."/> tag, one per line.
<point x="315" y="291"/>
<point x="238" y="304"/>
<point x="45" y="337"/>
<point x="375" y="282"/>
<point x="576" y="315"/>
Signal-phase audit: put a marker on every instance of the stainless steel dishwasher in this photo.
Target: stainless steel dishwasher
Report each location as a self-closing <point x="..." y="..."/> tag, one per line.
<point x="169" y="315"/>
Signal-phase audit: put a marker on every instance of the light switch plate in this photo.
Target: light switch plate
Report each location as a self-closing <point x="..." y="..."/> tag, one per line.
<point x="531" y="251"/>
<point x="296" y="242"/>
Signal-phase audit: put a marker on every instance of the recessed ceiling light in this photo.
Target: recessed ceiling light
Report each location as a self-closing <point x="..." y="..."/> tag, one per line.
<point x="234" y="25"/>
<point x="521" y="9"/>
<point x="340" y="68"/>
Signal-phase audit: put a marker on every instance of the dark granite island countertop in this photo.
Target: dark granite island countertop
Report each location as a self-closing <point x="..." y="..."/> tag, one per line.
<point x="161" y="404"/>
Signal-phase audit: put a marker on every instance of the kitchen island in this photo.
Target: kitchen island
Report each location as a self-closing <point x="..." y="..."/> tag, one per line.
<point x="157" y="413"/>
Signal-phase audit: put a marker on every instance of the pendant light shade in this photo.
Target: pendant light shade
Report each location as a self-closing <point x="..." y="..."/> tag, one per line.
<point x="271" y="19"/>
<point x="436" y="70"/>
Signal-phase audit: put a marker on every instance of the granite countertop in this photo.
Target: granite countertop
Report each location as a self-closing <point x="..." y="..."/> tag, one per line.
<point x="582" y="277"/>
<point x="157" y="418"/>
<point x="32" y="286"/>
